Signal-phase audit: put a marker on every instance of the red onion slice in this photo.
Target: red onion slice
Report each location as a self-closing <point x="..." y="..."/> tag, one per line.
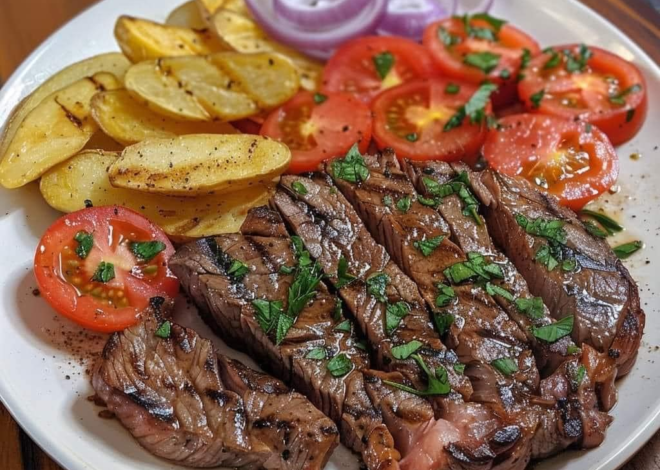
<point x="473" y="6"/>
<point x="305" y="13"/>
<point x="283" y="31"/>
<point x="409" y="18"/>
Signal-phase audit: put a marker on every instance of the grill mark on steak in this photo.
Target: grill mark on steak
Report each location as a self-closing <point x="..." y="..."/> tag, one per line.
<point x="482" y="331"/>
<point x="343" y="235"/>
<point x="601" y="293"/>
<point x="344" y="399"/>
<point x="184" y="412"/>
<point x="473" y="237"/>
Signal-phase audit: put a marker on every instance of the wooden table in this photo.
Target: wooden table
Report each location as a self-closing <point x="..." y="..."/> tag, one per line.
<point x="21" y="31"/>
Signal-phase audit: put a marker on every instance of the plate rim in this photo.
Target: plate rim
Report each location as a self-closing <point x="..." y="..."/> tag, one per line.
<point x="64" y="455"/>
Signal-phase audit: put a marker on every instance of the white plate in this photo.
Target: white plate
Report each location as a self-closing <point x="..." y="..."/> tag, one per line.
<point x="35" y="361"/>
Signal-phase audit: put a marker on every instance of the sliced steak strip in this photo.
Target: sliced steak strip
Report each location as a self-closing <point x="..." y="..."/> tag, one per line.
<point x="227" y="306"/>
<point x="169" y="394"/>
<point x="600" y="292"/>
<point x="481" y="330"/>
<point x="474" y="237"/>
<point x="331" y="230"/>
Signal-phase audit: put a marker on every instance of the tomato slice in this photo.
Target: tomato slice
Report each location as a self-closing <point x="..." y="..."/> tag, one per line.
<point x="411" y="119"/>
<point x="589" y="84"/>
<point x="574" y="161"/>
<point x="317" y="127"/>
<point x="366" y="66"/>
<point x="97" y="267"/>
<point x="480" y="53"/>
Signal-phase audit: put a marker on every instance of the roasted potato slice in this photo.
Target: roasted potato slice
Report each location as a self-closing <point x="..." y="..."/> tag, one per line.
<point x="84" y="178"/>
<point x="129" y="122"/>
<point x="186" y="15"/>
<point x="144" y="40"/>
<point x="114" y="63"/>
<point x="226" y="86"/>
<point x="208" y="8"/>
<point x="199" y="164"/>
<point x="244" y="35"/>
<point x="58" y="128"/>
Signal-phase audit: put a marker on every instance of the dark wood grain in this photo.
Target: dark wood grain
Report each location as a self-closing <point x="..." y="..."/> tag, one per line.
<point x="21" y="31"/>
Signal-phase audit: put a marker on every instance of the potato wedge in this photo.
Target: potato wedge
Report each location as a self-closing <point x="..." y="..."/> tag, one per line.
<point x="208" y="8"/>
<point x="186" y="15"/>
<point x="129" y="122"/>
<point x="144" y="40"/>
<point x="242" y="34"/>
<point x="226" y="86"/>
<point x="58" y="128"/>
<point x="199" y="164"/>
<point x="114" y="63"/>
<point x="84" y="178"/>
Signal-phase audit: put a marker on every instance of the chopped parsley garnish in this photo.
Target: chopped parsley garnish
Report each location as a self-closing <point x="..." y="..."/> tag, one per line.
<point x="594" y="229"/>
<point x="452" y="88"/>
<point x="577" y="63"/>
<point x="482" y="33"/>
<point x="85" y="243"/>
<point x="536" y="98"/>
<point x="485" y="61"/>
<point x="447" y="38"/>
<point x="426" y="247"/>
<point x="284" y="269"/>
<point x="361" y="344"/>
<point x="627" y="249"/>
<point x="505" y="74"/>
<point x="299" y="188"/>
<point x="533" y="307"/>
<point x="383" y="63"/>
<point x="525" y="58"/>
<point x="404" y="351"/>
<point x="377" y="284"/>
<point x="352" y="167"/>
<point x="446" y="295"/>
<point x="146" y="251"/>
<point x="550" y="255"/>
<point x="496" y="23"/>
<point x="438" y="381"/>
<point x="459" y="369"/>
<point x="493" y="289"/>
<point x="337" y="315"/>
<point x="505" y="365"/>
<point x="267" y="313"/>
<point x="339" y="365"/>
<point x="474" y="109"/>
<point x="475" y="268"/>
<point x="443" y="321"/>
<point x="164" y="330"/>
<point x="580" y="374"/>
<point x="569" y="265"/>
<point x="553" y="61"/>
<point x="387" y="200"/>
<point x="343" y="276"/>
<point x="412" y="137"/>
<point x="344" y="326"/>
<point x="620" y="98"/>
<point x="554" y="331"/>
<point x="238" y="270"/>
<point x="459" y="186"/>
<point x="430" y="202"/>
<point x="105" y="272"/>
<point x="572" y="349"/>
<point x="319" y="98"/>
<point x="318" y="354"/>
<point x="403" y="204"/>
<point x="394" y="313"/>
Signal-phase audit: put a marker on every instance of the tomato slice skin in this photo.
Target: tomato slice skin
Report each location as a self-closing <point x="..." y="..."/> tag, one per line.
<point x="107" y="224"/>
<point x="423" y="107"/>
<point x="449" y="59"/>
<point x="576" y="159"/>
<point x="585" y="95"/>
<point x="317" y="130"/>
<point x="351" y="69"/>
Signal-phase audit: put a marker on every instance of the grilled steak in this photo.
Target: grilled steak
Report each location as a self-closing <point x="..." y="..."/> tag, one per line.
<point x="481" y="331"/>
<point x="184" y="403"/>
<point x="227" y="302"/>
<point x="471" y="235"/>
<point x="574" y="272"/>
<point x="334" y="235"/>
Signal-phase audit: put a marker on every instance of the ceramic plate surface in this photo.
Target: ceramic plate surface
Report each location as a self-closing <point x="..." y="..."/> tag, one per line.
<point x="42" y="382"/>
